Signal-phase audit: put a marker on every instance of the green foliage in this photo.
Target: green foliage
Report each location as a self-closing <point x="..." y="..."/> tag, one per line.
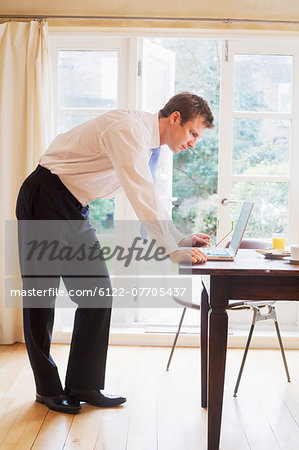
<point x="270" y="206"/>
<point x="206" y="216"/>
<point x="184" y="214"/>
<point x="260" y="147"/>
<point x="259" y="142"/>
<point x="101" y="214"/>
<point x="195" y="171"/>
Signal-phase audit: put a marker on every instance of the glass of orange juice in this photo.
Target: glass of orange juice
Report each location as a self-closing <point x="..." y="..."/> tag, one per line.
<point x="278" y="241"/>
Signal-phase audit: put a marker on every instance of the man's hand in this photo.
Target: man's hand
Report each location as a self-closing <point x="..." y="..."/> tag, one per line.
<point x="186" y="255"/>
<point x="195" y="240"/>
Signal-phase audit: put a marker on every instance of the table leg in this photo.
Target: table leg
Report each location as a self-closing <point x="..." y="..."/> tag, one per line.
<point x="204" y="309"/>
<point x="218" y="322"/>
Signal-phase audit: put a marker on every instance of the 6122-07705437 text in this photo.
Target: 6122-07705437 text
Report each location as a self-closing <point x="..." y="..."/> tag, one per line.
<point x="101" y="292"/>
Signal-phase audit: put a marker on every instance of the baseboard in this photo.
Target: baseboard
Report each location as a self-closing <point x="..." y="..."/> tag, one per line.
<point x="138" y="337"/>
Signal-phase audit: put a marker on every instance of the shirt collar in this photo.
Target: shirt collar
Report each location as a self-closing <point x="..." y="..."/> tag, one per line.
<point x="155" y="137"/>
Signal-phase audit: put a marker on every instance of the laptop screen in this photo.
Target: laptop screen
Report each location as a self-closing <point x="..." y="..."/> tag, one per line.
<point x="240" y="227"/>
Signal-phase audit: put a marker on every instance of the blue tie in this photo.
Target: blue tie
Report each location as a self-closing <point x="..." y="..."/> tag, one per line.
<point x="153" y="163"/>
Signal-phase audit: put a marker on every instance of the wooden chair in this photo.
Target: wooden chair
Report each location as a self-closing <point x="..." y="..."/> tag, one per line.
<point x="263" y="310"/>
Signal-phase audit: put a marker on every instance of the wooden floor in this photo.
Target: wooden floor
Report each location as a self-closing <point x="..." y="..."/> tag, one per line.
<point x="163" y="409"/>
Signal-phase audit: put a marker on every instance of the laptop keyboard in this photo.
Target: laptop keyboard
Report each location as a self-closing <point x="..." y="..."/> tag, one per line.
<point x="216" y="251"/>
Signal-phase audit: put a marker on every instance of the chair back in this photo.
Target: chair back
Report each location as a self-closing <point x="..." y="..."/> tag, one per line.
<point x="253" y="243"/>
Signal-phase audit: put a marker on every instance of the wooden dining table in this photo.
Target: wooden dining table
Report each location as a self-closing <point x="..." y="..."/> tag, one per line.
<point x="249" y="277"/>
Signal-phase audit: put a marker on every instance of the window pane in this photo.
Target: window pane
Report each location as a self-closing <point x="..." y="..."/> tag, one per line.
<point x="87" y="79"/>
<point x="195" y="172"/>
<point x="261" y="147"/>
<point x="156" y="90"/>
<point x="263" y="83"/>
<point x="270" y="211"/>
<point x="101" y="215"/>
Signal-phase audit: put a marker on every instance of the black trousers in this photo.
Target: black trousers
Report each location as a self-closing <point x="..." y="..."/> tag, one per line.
<point x="43" y="197"/>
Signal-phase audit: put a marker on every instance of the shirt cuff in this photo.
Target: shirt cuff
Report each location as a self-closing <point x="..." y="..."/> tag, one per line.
<point x="178" y="236"/>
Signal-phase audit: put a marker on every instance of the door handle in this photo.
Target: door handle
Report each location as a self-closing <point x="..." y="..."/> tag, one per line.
<point x="226" y="201"/>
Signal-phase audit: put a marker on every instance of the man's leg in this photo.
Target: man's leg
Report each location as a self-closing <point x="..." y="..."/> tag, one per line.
<point x="88" y="353"/>
<point x="38" y="311"/>
<point x="38" y="325"/>
<point x="87" y="360"/>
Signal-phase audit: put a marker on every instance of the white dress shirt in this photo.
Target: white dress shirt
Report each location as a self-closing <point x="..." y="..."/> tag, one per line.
<point x="111" y="152"/>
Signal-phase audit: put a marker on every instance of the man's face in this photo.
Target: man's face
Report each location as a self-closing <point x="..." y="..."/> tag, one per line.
<point x="180" y="138"/>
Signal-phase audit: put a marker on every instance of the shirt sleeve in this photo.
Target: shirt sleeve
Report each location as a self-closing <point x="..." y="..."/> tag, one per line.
<point x="127" y="146"/>
<point x="178" y="236"/>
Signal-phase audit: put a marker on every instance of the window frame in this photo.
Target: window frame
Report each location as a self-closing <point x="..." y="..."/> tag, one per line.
<point x="226" y="177"/>
<point x="126" y="99"/>
<point x="227" y="116"/>
<point x="127" y="45"/>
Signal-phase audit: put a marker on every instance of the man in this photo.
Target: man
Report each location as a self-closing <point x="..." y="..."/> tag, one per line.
<point x="96" y="160"/>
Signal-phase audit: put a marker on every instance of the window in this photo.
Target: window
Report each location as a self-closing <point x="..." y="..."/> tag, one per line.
<point x="90" y="76"/>
<point x="258" y="144"/>
<point x="194" y="174"/>
<point x="261" y="145"/>
<point x="257" y="134"/>
<point x="250" y="155"/>
<point x="88" y="83"/>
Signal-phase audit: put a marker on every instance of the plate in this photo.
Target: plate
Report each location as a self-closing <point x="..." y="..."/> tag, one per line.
<point x="273" y="253"/>
<point x="292" y="261"/>
<point x="263" y="251"/>
<point x="276" y="254"/>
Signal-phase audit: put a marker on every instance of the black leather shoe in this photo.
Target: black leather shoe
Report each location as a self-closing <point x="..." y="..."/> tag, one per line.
<point x="95" y="398"/>
<point x="61" y="403"/>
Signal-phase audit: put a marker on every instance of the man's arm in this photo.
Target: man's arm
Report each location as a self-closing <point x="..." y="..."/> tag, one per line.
<point x="195" y="240"/>
<point x="127" y="148"/>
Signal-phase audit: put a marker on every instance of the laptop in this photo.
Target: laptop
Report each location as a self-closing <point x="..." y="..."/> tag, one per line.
<point x="228" y="254"/>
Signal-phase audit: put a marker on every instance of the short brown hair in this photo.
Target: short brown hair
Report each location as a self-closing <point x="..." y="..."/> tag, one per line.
<point x="190" y="107"/>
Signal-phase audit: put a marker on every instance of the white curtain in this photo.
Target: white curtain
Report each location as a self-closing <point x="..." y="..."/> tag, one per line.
<point x="25" y="131"/>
